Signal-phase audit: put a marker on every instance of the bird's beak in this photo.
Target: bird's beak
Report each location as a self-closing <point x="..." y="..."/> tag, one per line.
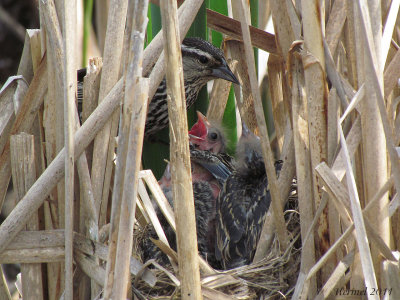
<point x="225" y="73"/>
<point x="193" y="137"/>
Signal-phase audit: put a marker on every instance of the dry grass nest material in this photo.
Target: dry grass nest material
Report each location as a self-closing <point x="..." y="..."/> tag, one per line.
<point x="272" y="278"/>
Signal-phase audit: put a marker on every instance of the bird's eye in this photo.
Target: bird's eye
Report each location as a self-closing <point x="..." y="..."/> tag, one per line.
<point x="203" y="59"/>
<point x="213" y="136"/>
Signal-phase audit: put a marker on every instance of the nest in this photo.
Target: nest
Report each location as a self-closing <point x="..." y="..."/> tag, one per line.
<point x="271" y="278"/>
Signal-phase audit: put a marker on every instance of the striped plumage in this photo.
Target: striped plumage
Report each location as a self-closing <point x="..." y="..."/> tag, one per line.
<point x="201" y="62"/>
<point x="242" y="205"/>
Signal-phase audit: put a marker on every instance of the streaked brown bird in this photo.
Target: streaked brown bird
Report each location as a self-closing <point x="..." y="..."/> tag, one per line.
<point x="242" y="205"/>
<point x="201" y="62"/>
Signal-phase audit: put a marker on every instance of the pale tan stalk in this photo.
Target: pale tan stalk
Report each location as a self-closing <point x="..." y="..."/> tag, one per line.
<point x="104" y="142"/>
<point x="24" y="175"/>
<point x="180" y="157"/>
<point x="70" y="30"/>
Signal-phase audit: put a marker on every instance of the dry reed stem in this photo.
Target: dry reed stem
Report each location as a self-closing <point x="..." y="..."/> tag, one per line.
<point x="389" y="26"/>
<point x="88" y="222"/>
<point x="334" y="26"/>
<point x="391" y="275"/>
<point x="182" y="189"/>
<point x="31" y="46"/>
<point x="244" y="98"/>
<point x="317" y="97"/>
<point x="361" y="236"/>
<point x="24" y="175"/>
<point x="151" y="212"/>
<point x="125" y="184"/>
<point x="134" y="153"/>
<point x="90" y="267"/>
<point x="337" y="277"/>
<point x="103" y="149"/>
<point x="33" y="256"/>
<point x="392" y="73"/>
<point x="275" y="80"/>
<point x="54" y="172"/>
<point x="48" y="246"/>
<point x="70" y="30"/>
<point x="8" y="92"/>
<point x="159" y="196"/>
<point x="282" y="27"/>
<point x="265" y="143"/>
<point x="23" y="122"/>
<point x="219" y="95"/>
<point x="231" y="27"/>
<point x="339" y="196"/>
<point x="372" y="61"/>
<point x="4" y="292"/>
<point x="54" y="115"/>
<point x="49" y="208"/>
<point x="303" y="163"/>
<point x="349" y="230"/>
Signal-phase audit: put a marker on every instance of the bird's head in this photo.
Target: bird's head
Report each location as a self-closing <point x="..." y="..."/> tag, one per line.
<point x="207" y="136"/>
<point x="202" y="62"/>
<point x="249" y="152"/>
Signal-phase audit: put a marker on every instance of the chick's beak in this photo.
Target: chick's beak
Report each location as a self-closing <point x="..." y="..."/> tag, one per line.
<point x="224" y="72"/>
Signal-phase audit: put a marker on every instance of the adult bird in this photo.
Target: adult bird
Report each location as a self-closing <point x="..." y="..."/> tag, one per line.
<point x="242" y="204"/>
<point x="201" y="62"/>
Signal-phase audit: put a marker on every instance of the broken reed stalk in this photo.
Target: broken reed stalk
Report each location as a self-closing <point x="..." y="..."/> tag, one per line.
<point x="23" y="122"/>
<point x="303" y="163"/>
<point x="69" y="125"/>
<point x="104" y="142"/>
<point x="361" y="235"/>
<point x="24" y="175"/>
<point x="129" y="156"/>
<point x="179" y="156"/>
<point x="265" y="143"/>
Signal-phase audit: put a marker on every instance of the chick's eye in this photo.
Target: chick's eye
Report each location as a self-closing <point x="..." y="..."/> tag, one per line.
<point x="213" y="136"/>
<point x="203" y="59"/>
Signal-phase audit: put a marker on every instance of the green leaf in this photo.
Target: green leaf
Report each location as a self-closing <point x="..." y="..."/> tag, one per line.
<point x="87" y="19"/>
<point x="199" y="29"/>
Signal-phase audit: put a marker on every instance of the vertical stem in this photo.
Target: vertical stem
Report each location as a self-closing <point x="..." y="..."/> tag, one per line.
<point x="110" y="74"/>
<point x="180" y="157"/>
<point x="69" y="122"/>
<point x="24" y="175"/>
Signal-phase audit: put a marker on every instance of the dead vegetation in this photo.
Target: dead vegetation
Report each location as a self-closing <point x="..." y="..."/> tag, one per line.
<point x="333" y="75"/>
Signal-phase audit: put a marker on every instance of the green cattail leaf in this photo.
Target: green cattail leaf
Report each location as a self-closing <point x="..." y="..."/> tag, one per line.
<point x="199" y="29"/>
<point x="87" y="23"/>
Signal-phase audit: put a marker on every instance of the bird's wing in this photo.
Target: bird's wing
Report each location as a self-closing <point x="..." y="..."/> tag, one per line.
<point x="211" y="163"/>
